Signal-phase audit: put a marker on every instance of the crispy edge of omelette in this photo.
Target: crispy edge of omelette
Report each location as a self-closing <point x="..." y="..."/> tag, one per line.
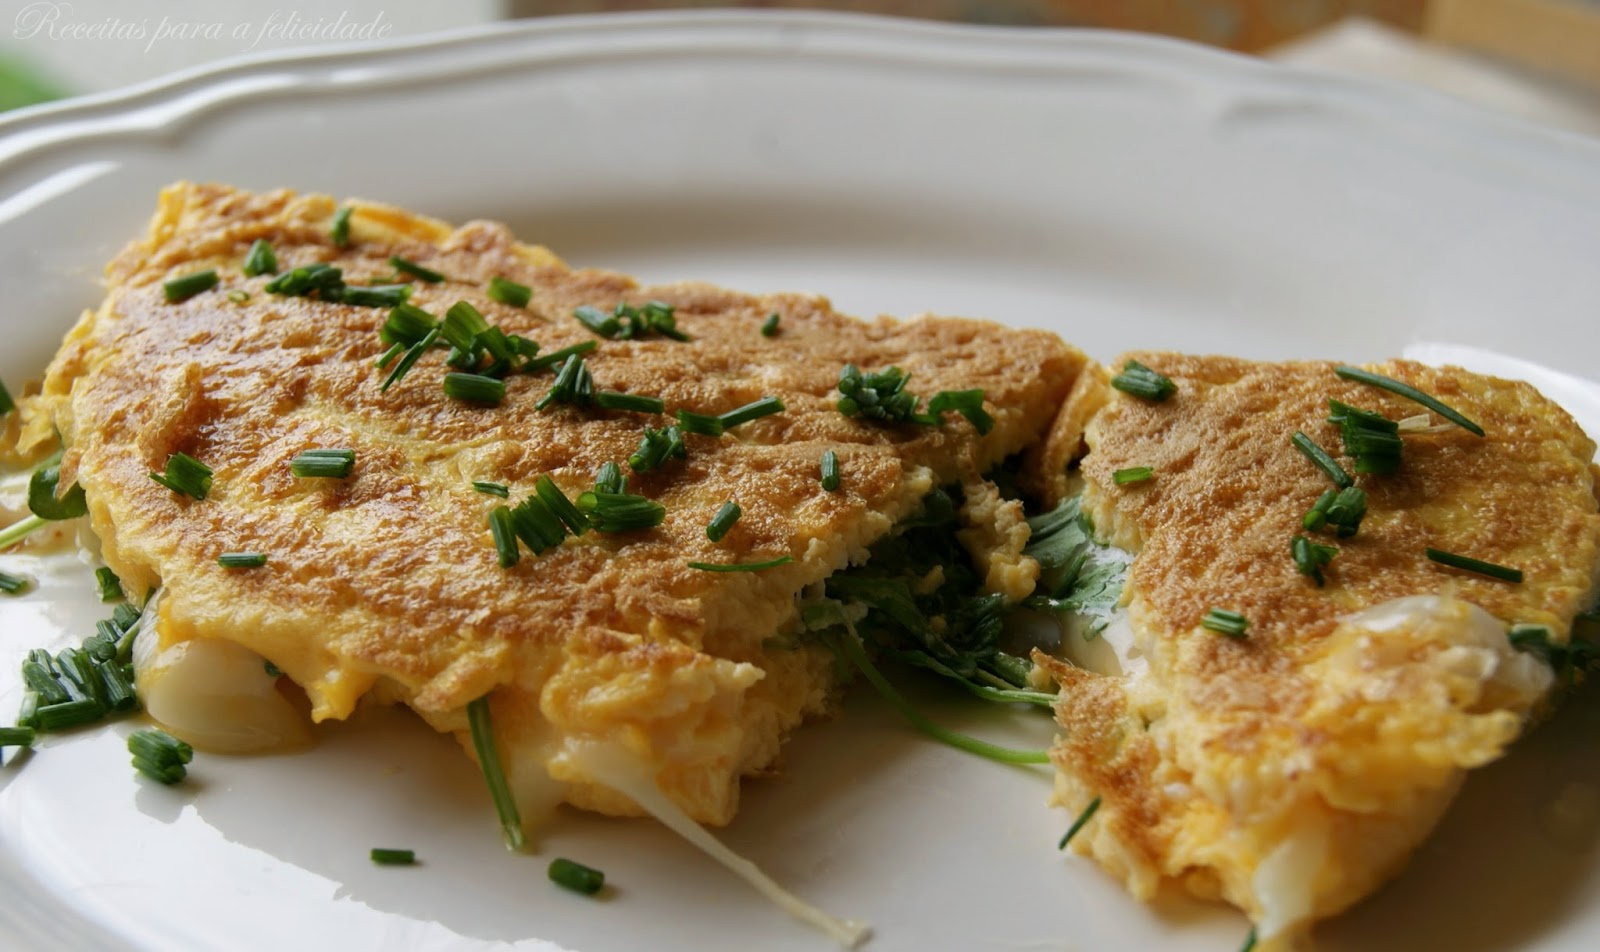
<point x="703" y="714"/>
<point x="1293" y="771"/>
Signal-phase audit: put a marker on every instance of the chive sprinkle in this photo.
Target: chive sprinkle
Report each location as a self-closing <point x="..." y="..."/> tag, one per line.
<point x="769" y="327"/>
<point x="1079" y="823"/>
<point x="766" y="406"/>
<point x="1310" y="558"/>
<point x="403" y="266"/>
<point x="610" y="479"/>
<point x="383" y="295"/>
<point x="392" y="857"/>
<point x="69" y="714"/>
<point x="576" y="876"/>
<point x="16" y="736"/>
<point x="502" y="291"/>
<point x="1490" y="569"/>
<point x="557" y="356"/>
<point x="261" y="259"/>
<point x="483" y="743"/>
<point x="186" y="476"/>
<point x="968" y="403"/>
<point x="830" y="471"/>
<point x="1317" y="516"/>
<point x="319" y="278"/>
<point x="110" y="586"/>
<point x="1249" y="941"/>
<point x="492" y="489"/>
<point x="559" y="505"/>
<point x="242" y="560"/>
<point x="656" y="447"/>
<point x="1320" y="457"/>
<point x="1410" y="393"/>
<point x="323" y="463"/>
<point x="339" y="231"/>
<point x="700" y="423"/>
<point x="723" y="521"/>
<point x="1140" y="381"/>
<point x="742" y="566"/>
<point x="185" y="287"/>
<point x="406" y="325"/>
<point x="573" y="385"/>
<point x="1226" y="622"/>
<point x="621" y="512"/>
<point x="159" y="755"/>
<point x="474" y="388"/>
<point x="13" y="584"/>
<point x="413" y="355"/>
<point x="504" y="535"/>
<point x="1134" y="474"/>
<point x="632" y="402"/>
<point x="271" y="670"/>
<point x="6" y="403"/>
<point x="239" y="296"/>
<point x="1348" y="508"/>
<point x="602" y="323"/>
<point x="1371" y="439"/>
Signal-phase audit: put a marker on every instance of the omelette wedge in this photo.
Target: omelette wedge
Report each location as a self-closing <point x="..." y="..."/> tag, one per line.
<point x="1291" y="767"/>
<point x="387" y="584"/>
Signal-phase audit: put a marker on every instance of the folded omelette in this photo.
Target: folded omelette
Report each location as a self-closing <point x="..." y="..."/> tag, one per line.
<point x="1290" y="764"/>
<point x="386" y="583"/>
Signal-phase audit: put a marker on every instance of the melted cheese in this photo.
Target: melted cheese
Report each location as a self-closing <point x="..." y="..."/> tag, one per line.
<point x="614" y="767"/>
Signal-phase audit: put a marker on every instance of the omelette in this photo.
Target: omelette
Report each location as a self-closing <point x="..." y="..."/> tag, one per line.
<point x="1282" y="734"/>
<point x="656" y="645"/>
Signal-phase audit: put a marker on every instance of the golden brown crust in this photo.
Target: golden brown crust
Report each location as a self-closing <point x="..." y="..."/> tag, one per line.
<point x="392" y="573"/>
<point x="1333" y="736"/>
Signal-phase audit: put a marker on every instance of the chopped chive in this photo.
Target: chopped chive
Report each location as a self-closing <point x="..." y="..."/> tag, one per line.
<point x="69" y="714"/>
<point x="1490" y="569"/>
<point x="1226" y="622"/>
<point x="28" y="710"/>
<point x="13" y="584"/>
<point x="1317" y="516"/>
<point x="323" y="463"/>
<point x="1371" y="439"/>
<point x="830" y="471"/>
<point x="502" y="291"/>
<point x="504" y="536"/>
<point x="1320" y="457"/>
<point x="6" y="403"/>
<point x="610" y="479"/>
<point x="1079" y="823"/>
<point x="110" y="586"/>
<point x="125" y="615"/>
<point x="406" y="324"/>
<point x="39" y="675"/>
<point x="403" y="266"/>
<point x="1134" y="474"/>
<point x="1140" y="381"/>
<point x="1410" y="393"/>
<point x="557" y="356"/>
<point x="388" y="356"/>
<point x="483" y="743"/>
<point x="392" y="857"/>
<point x="968" y="403"/>
<point x="656" y="447"/>
<point x="261" y="259"/>
<point x="1524" y="636"/>
<point x="116" y="687"/>
<point x="413" y="355"/>
<point x="723" y="521"/>
<point x="536" y="525"/>
<point x="755" y="410"/>
<point x="45" y="499"/>
<point x="339" y="231"/>
<point x="383" y="295"/>
<point x="186" y="476"/>
<point x="769" y="327"/>
<point x="700" y="423"/>
<point x="242" y="560"/>
<point x="318" y="278"/>
<point x="1310" y="558"/>
<point x="576" y="876"/>
<point x="573" y="385"/>
<point x="271" y="670"/>
<point x="1249" y="941"/>
<point x="600" y="322"/>
<point x="159" y="755"/>
<point x="559" y="505"/>
<point x="621" y="512"/>
<point x="492" y="489"/>
<point x="239" y="296"/>
<point x="185" y="287"/>
<point x="742" y="566"/>
<point x="633" y="402"/>
<point x="474" y="388"/>
<point x="21" y="529"/>
<point x="1348" y="508"/>
<point x="16" y="736"/>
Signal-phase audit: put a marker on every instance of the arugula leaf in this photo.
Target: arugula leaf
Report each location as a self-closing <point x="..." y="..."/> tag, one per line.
<point x="1077" y="573"/>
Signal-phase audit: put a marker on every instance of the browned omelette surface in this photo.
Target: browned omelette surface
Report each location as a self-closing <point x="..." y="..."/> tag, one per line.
<point x="390" y="576"/>
<point x="1293" y="770"/>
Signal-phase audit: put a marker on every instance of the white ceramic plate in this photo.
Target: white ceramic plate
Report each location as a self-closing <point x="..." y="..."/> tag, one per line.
<point x="1121" y="190"/>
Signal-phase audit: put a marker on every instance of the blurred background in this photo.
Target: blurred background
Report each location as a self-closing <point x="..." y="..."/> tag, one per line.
<point x="1535" y="59"/>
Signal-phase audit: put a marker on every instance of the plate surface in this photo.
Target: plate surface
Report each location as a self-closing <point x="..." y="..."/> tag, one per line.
<point x="1123" y="191"/>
